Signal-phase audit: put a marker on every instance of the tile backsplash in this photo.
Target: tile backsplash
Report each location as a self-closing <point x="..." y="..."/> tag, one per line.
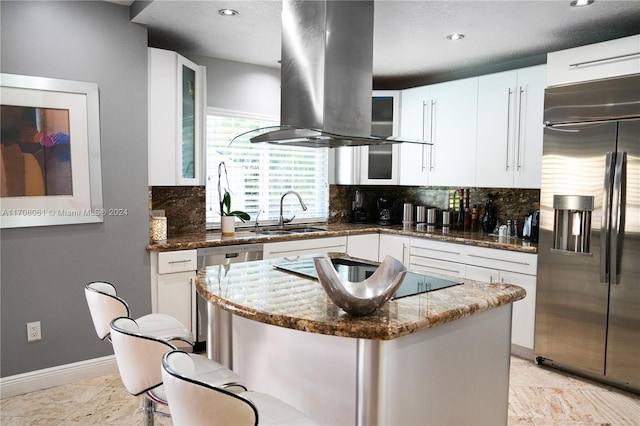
<point x="184" y="207"/>
<point x="510" y="203"/>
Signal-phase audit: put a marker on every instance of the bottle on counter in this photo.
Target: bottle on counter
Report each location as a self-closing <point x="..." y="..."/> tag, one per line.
<point x="460" y="218"/>
<point x="489" y="218"/>
<point x="474" y="218"/>
<point x="467" y="216"/>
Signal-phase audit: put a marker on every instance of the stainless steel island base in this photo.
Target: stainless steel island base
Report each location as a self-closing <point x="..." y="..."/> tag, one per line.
<point x="456" y="373"/>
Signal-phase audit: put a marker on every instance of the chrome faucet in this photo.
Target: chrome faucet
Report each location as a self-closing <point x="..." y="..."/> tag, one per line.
<point x="282" y="220"/>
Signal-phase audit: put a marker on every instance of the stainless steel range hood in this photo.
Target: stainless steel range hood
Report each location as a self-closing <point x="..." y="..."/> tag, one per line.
<point x="326" y="76"/>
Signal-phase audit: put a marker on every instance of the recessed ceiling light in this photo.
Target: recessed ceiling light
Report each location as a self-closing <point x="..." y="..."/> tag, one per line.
<point x="228" y="12"/>
<point x="457" y="36"/>
<point x="577" y="3"/>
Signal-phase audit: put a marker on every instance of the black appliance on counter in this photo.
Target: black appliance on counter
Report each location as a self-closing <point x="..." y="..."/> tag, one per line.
<point x="358" y="214"/>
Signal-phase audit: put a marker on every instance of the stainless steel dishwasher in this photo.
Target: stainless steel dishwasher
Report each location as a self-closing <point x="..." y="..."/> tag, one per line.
<point x="211" y="256"/>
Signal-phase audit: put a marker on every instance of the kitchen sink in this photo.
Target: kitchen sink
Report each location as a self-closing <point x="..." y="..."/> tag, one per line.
<point x="288" y="231"/>
<point x="304" y="230"/>
<point x="272" y="232"/>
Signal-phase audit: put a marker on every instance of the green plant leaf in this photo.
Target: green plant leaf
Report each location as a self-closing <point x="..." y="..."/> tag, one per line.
<point x="241" y="215"/>
<point x="227" y="204"/>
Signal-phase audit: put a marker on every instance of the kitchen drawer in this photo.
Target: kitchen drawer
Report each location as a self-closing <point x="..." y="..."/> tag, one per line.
<point x="177" y="261"/>
<point x="294" y="249"/>
<point x="437" y="250"/>
<point x="504" y="260"/>
<point x="363" y="246"/>
<point x="612" y="58"/>
<point x="427" y="266"/>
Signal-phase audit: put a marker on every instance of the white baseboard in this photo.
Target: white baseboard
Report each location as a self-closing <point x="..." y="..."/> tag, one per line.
<point x="56" y="376"/>
<point x="522" y="352"/>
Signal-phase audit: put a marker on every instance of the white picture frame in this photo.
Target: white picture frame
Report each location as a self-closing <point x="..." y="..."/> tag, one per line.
<point x="81" y="202"/>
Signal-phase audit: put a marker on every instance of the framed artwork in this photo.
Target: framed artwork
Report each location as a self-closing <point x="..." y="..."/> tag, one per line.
<point x="50" y="169"/>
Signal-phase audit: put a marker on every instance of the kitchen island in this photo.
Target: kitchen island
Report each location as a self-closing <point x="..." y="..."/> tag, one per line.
<point x="440" y="357"/>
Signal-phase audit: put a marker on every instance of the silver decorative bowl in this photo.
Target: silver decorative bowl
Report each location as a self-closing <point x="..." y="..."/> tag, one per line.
<point x="363" y="297"/>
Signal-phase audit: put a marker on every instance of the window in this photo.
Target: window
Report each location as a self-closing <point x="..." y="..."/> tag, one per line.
<point x="259" y="174"/>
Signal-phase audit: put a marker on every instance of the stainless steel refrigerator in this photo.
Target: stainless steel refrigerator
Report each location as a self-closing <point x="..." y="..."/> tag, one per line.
<point x="588" y="289"/>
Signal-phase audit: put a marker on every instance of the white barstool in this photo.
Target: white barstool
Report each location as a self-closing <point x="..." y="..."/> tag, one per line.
<point x="139" y="359"/>
<point x="105" y="305"/>
<point x="195" y="400"/>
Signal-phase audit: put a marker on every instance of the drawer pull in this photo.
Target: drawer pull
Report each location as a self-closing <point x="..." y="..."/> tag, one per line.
<point x="179" y="261"/>
<point x="500" y="260"/>
<point x="436" y="250"/>
<point x="595" y="61"/>
<point x="341" y="246"/>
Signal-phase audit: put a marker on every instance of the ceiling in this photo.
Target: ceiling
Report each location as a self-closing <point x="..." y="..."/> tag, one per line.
<point x="410" y="44"/>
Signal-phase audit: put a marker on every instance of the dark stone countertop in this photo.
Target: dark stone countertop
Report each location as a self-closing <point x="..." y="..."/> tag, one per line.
<point x="258" y="291"/>
<point x="247" y="236"/>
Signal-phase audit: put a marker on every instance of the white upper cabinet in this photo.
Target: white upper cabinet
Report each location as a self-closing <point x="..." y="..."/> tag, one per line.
<point x="444" y="115"/>
<point x="414" y="158"/>
<point x="509" y="132"/>
<point x="595" y="61"/>
<point x="454" y="110"/>
<point x="177" y="102"/>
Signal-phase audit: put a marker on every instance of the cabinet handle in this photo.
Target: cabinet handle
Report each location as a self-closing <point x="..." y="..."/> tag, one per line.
<point x="519" y="129"/>
<point x="179" y="261"/>
<point x="501" y="260"/>
<point x="314" y="248"/>
<point x="424" y="131"/>
<point x="595" y="61"/>
<point x="439" y="251"/>
<point x="432" y="135"/>
<point x="506" y="162"/>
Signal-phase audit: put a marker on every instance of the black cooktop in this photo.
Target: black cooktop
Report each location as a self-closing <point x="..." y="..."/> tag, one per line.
<point x="355" y="271"/>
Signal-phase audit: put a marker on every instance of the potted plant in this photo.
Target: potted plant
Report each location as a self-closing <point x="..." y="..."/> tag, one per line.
<point x="227" y="216"/>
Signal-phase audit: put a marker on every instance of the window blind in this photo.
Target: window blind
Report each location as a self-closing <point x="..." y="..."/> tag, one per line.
<point x="258" y="174"/>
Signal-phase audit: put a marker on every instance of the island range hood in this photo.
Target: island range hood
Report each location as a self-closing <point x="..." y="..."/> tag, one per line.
<point x="326" y="76"/>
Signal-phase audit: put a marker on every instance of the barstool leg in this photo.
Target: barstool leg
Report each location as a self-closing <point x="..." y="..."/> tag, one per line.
<point x="148" y="408"/>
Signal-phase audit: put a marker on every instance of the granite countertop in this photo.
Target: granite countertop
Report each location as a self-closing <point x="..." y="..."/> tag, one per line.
<point x="258" y="291"/>
<point x="213" y="239"/>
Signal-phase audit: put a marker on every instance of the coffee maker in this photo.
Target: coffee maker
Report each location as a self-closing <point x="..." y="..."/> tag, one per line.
<point x="358" y="215"/>
<point x="385" y="205"/>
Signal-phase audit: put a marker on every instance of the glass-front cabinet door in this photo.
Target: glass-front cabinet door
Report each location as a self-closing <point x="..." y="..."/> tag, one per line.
<point x="379" y="163"/>
<point x="177" y="99"/>
<point x="190" y="114"/>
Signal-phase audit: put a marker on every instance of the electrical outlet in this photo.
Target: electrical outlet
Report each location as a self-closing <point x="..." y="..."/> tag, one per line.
<point x="33" y="331"/>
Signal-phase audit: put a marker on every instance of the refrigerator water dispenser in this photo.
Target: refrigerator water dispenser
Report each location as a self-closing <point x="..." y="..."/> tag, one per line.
<point x="572" y="224"/>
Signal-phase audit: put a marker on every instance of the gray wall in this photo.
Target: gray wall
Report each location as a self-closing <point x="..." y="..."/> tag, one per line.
<point x="241" y="87"/>
<point x="44" y="269"/>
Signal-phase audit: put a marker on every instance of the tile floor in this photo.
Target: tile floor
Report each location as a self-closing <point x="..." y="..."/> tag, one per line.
<point x="537" y="396"/>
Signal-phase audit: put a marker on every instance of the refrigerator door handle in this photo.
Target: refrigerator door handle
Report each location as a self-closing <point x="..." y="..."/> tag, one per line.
<point x="618" y="201"/>
<point x="605" y="222"/>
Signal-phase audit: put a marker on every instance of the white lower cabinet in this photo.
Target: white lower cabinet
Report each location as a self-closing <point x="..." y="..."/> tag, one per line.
<point x="363" y="246"/>
<point x="492" y="265"/>
<point x="430" y="256"/>
<point x="173" y="290"/>
<point x="294" y="249"/>
<point x="395" y="246"/>
<point x="487" y="265"/>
